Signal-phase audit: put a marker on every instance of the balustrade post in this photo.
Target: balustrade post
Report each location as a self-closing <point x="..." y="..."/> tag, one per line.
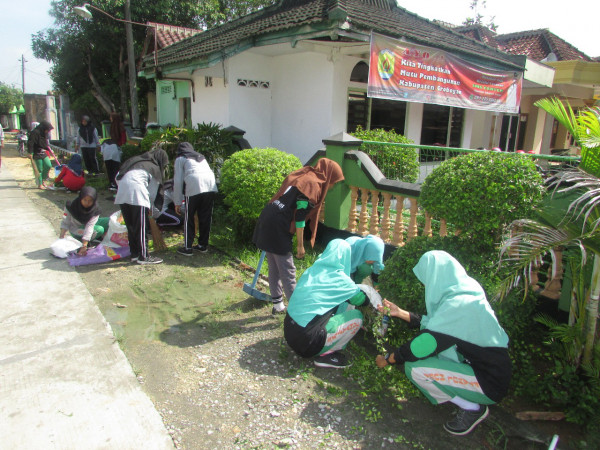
<point x="413" y="230"/>
<point x="364" y="212"/>
<point x="427" y="229"/>
<point x="386" y="223"/>
<point x="353" y="214"/>
<point x="443" y="228"/>
<point x="374" y="228"/>
<point x="398" y="239"/>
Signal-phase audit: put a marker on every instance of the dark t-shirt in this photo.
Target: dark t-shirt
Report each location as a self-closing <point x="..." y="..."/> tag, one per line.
<point x="272" y="232"/>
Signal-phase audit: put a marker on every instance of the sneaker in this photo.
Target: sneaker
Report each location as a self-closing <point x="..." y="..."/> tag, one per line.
<point x="134" y="258"/>
<point x="200" y="248"/>
<point x="185" y="251"/>
<point x="464" y="421"/>
<point x="149" y="260"/>
<point x="112" y="188"/>
<point x="278" y="308"/>
<point x="335" y="360"/>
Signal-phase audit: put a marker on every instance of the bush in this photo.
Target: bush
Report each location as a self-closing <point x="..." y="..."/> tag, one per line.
<point x="250" y="178"/>
<point x="480" y="193"/>
<point x="210" y="139"/>
<point x="396" y="163"/>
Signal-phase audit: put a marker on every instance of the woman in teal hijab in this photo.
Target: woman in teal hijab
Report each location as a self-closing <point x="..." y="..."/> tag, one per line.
<point x="320" y="320"/>
<point x="367" y="257"/>
<point x="461" y="352"/>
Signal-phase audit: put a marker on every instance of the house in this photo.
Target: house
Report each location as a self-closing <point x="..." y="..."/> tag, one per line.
<point x="295" y="73"/>
<point x="576" y="80"/>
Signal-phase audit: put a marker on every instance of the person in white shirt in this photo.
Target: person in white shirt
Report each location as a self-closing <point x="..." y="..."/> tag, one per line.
<point x="140" y="182"/>
<point x="193" y="171"/>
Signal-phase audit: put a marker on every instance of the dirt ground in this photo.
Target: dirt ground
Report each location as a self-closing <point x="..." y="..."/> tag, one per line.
<point x="216" y="366"/>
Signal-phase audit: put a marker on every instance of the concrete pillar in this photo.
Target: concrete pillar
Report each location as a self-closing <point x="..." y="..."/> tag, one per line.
<point x="538" y="130"/>
<point x="414" y="121"/>
<point x="339" y="195"/>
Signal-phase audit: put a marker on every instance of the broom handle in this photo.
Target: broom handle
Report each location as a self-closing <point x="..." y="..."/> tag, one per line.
<point x="36" y="171"/>
<point x="260" y="262"/>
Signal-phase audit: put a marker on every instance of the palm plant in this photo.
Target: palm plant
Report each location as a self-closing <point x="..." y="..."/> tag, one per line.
<point x="575" y="224"/>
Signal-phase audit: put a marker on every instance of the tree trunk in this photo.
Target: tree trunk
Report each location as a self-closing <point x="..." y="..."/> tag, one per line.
<point x="592" y="313"/>
<point x="123" y="84"/>
<point x="97" y="91"/>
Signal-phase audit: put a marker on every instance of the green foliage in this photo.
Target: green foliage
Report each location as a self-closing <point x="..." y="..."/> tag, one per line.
<point x="130" y="150"/>
<point x="210" y="139"/>
<point x="396" y="163"/>
<point x="481" y="193"/>
<point x="10" y="97"/>
<point x="251" y="177"/>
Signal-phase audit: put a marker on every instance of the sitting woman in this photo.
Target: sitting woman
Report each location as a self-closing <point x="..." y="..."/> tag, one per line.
<point x="71" y="174"/>
<point x="167" y="216"/>
<point x="460" y="355"/>
<point x="367" y="257"/>
<point x="321" y="318"/>
<point x="82" y="218"/>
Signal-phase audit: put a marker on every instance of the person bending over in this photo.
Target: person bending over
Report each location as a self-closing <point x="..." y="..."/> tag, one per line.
<point x="298" y="200"/>
<point x="367" y="257"/>
<point x="461" y="353"/>
<point x="321" y="317"/>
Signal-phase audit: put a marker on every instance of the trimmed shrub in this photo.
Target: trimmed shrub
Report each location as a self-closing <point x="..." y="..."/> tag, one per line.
<point x="480" y="193"/>
<point x="249" y="178"/>
<point x="396" y="163"/>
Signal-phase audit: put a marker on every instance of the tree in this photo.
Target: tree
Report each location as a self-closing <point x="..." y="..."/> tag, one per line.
<point x="10" y="97"/>
<point x="571" y="224"/>
<point x="89" y="57"/>
<point x="478" y="18"/>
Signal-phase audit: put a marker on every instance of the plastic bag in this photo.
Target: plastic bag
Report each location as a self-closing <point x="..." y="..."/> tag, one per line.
<point x="116" y="236"/>
<point x="99" y="254"/>
<point x="62" y="247"/>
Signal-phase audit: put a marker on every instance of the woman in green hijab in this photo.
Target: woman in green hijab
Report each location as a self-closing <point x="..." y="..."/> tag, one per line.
<point x="461" y="352"/>
<point x="367" y="257"/>
<point x="321" y="318"/>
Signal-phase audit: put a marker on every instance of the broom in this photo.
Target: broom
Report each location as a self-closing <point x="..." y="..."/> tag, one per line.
<point x="157" y="239"/>
<point x="36" y="172"/>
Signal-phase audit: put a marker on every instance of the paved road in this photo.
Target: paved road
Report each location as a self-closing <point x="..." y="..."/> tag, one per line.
<point x="64" y="381"/>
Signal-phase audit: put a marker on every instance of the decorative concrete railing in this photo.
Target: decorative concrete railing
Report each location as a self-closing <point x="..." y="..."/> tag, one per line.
<point x="368" y="203"/>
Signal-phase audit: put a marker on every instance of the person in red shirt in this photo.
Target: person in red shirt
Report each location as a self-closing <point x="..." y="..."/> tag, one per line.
<point x="71" y="175"/>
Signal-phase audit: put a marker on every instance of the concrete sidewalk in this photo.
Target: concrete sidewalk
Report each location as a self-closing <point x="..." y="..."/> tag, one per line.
<point x="64" y="381"/>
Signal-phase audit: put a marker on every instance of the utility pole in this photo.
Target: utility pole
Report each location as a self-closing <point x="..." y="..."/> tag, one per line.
<point x="135" y="114"/>
<point x="23" y="61"/>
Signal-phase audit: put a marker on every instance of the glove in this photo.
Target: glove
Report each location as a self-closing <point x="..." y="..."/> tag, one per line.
<point x="373" y="296"/>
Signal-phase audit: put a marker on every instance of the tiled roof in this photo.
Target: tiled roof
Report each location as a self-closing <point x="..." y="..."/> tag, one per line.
<point x="535" y="44"/>
<point x="316" y="19"/>
<point x="169" y="34"/>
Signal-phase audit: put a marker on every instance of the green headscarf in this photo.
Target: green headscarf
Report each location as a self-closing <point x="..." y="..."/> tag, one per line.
<point x="368" y="248"/>
<point x="324" y="285"/>
<point x="456" y="303"/>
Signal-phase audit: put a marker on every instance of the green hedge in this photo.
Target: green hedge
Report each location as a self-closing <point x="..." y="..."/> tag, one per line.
<point x="480" y="193"/>
<point x="396" y="163"/>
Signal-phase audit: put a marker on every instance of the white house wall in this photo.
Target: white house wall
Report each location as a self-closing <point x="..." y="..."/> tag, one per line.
<point x="212" y="102"/>
<point x="302" y="103"/>
<point x="250" y="107"/>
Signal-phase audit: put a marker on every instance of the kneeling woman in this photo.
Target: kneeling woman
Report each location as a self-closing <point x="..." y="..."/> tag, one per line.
<point x="82" y="218"/>
<point x="321" y="318"/>
<point x="71" y="175"/>
<point x="461" y="353"/>
<point x="367" y="257"/>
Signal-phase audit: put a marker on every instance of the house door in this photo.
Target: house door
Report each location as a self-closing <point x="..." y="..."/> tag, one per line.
<point x="509" y="133"/>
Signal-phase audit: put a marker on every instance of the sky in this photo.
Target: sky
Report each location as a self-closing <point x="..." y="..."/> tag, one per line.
<point x="20" y="19"/>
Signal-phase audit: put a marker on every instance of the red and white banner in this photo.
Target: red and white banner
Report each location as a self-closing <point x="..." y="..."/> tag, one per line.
<point x="414" y="73"/>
